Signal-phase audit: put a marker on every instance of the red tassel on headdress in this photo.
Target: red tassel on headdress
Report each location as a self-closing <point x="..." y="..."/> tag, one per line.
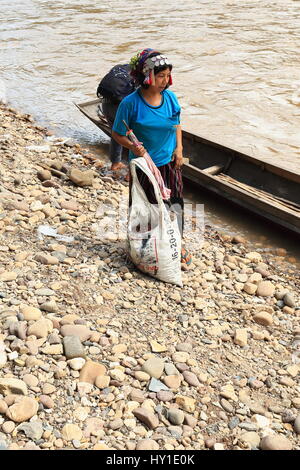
<point x="170" y="80"/>
<point x="147" y="80"/>
<point x="152" y="77"/>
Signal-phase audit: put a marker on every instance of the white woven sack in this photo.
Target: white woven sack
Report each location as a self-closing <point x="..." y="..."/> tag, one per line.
<point x="157" y="251"/>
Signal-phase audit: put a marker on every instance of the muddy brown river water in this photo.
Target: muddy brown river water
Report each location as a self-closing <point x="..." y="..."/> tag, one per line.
<point x="236" y="73"/>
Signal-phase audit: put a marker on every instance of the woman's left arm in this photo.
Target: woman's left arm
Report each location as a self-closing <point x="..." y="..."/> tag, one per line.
<point x="178" y="151"/>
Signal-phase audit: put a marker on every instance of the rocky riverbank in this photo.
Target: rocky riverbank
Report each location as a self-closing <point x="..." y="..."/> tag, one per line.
<point x="96" y="355"/>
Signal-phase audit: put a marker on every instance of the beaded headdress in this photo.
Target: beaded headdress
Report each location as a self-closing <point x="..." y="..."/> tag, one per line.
<point x="142" y="63"/>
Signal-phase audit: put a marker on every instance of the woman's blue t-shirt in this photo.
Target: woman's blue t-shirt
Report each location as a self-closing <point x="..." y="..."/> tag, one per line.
<point x="154" y="126"/>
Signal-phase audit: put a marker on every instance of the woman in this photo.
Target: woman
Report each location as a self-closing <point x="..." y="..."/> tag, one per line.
<point x="153" y="113"/>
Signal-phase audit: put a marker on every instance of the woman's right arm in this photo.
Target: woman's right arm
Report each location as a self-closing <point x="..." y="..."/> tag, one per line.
<point x="125" y="142"/>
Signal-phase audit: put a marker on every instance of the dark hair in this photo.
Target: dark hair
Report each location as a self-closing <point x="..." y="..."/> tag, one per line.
<point x="140" y="77"/>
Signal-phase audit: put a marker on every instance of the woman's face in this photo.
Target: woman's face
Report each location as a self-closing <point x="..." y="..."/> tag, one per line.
<point x="162" y="79"/>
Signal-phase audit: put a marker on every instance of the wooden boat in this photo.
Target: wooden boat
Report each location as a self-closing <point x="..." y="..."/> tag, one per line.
<point x="267" y="190"/>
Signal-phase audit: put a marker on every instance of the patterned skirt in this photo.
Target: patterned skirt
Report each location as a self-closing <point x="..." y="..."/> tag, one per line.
<point x="173" y="180"/>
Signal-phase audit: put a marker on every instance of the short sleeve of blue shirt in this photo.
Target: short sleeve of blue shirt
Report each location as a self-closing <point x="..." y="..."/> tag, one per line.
<point x="154" y="126"/>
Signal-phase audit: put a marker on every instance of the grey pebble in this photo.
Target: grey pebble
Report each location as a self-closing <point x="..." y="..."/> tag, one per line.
<point x="44" y="292"/>
<point x="76" y="443"/>
<point x="170" y="369"/>
<point x="3" y="445"/>
<point x="54" y="338"/>
<point x="33" y="430"/>
<point x="73" y="347"/>
<point x="159" y="408"/>
<point x="39" y="442"/>
<point x="289" y="300"/>
<point x="248" y="426"/>
<point x="175" y="431"/>
<point x="48" y="427"/>
<point x="269" y="382"/>
<point x="157" y="386"/>
<point x="276" y="426"/>
<point x="206" y="341"/>
<point x="234" y="422"/>
<point x="288" y="416"/>
<point x="183" y="318"/>
<point x="186" y="347"/>
<point x="175" y="416"/>
<point x="212" y="429"/>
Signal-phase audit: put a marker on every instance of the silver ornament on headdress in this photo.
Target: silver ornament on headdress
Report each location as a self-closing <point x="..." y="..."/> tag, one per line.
<point x="155" y="61"/>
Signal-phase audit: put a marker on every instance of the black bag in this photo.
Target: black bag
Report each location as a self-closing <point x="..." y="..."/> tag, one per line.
<point x="116" y="84"/>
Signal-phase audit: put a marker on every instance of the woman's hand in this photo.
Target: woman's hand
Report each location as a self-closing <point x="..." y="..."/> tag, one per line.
<point x="138" y="151"/>
<point x="125" y="142"/>
<point x="178" y="157"/>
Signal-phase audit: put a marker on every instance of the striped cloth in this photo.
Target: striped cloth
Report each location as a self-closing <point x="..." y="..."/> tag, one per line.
<point x="165" y="192"/>
<point x="172" y="178"/>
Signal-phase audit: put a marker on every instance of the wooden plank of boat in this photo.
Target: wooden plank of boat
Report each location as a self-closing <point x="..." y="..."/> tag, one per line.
<point x="218" y="154"/>
<point x="265" y="189"/>
<point x="90" y="110"/>
<point x="275" y="200"/>
<point x="272" y="210"/>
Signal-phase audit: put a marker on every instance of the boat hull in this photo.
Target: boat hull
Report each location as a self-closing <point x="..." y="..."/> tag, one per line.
<point x="264" y="189"/>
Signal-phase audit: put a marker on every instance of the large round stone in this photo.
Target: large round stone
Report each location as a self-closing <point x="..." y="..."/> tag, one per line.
<point x="73" y="348"/>
<point x="71" y="431"/>
<point x="40" y="328"/>
<point x="81" y="331"/>
<point x="289" y="300"/>
<point x="30" y="313"/>
<point x="13" y="386"/>
<point x="263" y="318"/>
<point x="23" y="410"/>
<point x="154" y="367"/>
<point x="265" y="289"/>
<point x="90" y="371"/>
<point x="175" y="416"/>
<point x="275" y="442"/>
